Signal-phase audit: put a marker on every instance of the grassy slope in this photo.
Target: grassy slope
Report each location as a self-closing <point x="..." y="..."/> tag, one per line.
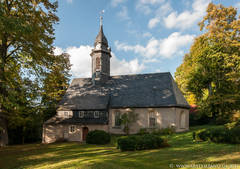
<point x="75" y="155"/>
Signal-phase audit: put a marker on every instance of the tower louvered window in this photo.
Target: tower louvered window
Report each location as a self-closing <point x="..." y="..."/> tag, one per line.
<point x="97" y="63"/>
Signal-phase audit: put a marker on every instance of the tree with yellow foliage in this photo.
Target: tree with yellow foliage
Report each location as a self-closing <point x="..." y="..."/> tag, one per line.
<point x="210" y="73"/>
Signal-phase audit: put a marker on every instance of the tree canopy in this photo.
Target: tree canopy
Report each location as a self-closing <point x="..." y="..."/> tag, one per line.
<point x="30" y="74"/>
<point x="210" y="73"/>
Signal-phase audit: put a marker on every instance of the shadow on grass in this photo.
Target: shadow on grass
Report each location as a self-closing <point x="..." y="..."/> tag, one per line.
<point x="75" y="155"/>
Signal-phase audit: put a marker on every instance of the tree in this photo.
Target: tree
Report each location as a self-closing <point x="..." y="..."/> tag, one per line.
<point x="127" y="119"/>
<point x="182" y="80"/>
<point x="55" y="84"/>
<point x="26" y="50"/>
<point x="211" y="71"/>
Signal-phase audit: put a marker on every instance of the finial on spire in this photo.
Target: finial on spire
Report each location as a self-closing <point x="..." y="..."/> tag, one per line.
<point x="101" y="17"/>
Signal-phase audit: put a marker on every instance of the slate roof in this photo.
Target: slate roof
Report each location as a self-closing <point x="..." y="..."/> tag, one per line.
<point x="101" y="37"/>
<point x="124" y="91"/>
<point x="73" y="120"/>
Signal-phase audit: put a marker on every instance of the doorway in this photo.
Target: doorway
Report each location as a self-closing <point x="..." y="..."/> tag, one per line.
<point x="84" y="133"/>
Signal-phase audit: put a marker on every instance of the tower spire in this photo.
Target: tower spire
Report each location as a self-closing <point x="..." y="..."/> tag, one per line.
<point x="101" y="55"/>
<point x="101" y="17"/>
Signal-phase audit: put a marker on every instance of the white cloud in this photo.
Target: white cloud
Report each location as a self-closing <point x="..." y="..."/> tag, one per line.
<point x="153" y="22"/>
<point x="159" y="14"/>
<point x="174" y="43"/>
<point x="123" y="14"/>
<point x="69" y="1"/>
<point x="151" y="60"/>
<point x="123" y="67"/>
<point x="81" y="62"/>
<point x="115" y="3"/>
<point x="151" y="2"/>
<point x="163" y="9"/>
<point x="145" y="6"/>
<point x="187" y="18"/>
<point x="58" y="51"/>
<point x="166" y="48"/>
<point x="147" y="35"/>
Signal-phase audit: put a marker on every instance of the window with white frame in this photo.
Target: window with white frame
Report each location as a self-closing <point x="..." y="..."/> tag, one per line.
<point x="152" y="119"/>
<point x="72" y="129"/>
<point x="65" y="114"/>
<point x="96" y="114"/>
<point x="81" y="114"/>
<point x="117" y="119"/>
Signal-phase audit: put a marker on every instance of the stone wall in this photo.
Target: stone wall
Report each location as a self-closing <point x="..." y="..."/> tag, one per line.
<point x="52" y="133"/>
<point x="165" y="117"/>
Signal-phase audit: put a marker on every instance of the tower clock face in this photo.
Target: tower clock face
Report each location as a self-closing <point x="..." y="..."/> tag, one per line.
<point x="98" y="46"/>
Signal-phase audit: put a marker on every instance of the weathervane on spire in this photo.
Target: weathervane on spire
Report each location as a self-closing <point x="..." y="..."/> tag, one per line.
<point x="101" y="17"/>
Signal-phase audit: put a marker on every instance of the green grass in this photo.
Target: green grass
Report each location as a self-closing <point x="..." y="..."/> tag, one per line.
<point x="74" y="155"/>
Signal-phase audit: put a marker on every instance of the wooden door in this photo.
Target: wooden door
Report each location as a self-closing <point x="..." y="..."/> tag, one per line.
<point x="84" y="133"/>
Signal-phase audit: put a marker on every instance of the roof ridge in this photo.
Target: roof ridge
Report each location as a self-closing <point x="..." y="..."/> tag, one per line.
<point x="142" y="74"/>
<point x="78" y="78"/>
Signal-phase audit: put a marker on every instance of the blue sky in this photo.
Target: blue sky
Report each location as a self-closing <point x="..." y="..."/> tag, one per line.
<point x="146" y="36"/>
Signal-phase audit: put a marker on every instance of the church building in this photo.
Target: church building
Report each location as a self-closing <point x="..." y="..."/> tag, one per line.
<point x="97" y="103"/>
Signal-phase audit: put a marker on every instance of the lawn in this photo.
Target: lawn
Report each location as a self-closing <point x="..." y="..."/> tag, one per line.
<point x="74" y="155"/>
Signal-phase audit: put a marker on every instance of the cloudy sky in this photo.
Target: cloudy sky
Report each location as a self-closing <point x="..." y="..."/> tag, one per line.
<point x="146" y="36"/>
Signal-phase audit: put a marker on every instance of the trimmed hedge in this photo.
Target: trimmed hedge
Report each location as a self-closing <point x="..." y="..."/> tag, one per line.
<point x="219" y="135"/>
<point x="163" y="131"/>
<point x="98" y="137"/>
<point x="143" y="142"/>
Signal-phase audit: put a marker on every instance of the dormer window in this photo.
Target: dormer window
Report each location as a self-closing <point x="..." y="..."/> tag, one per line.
<point x="96" y="114"/>
<point x="81" y="114"/>
<point x="65" y="114"/>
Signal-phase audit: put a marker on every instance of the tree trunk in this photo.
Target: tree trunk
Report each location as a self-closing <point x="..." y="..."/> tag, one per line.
<point x="3" y="90"/>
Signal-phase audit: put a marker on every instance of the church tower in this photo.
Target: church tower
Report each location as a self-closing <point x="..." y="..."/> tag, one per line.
<point x="101" y="55"/>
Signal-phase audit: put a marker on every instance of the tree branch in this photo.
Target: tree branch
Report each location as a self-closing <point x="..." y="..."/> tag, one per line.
<point x="17" y="48"/>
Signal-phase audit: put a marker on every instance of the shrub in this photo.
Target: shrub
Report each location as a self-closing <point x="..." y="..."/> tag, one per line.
<point x="220" y="135"/>
<point x="203" y="135"/>
<point x="142" y="131"/>
<point x="127" y="143"/>
<point x="143" y="142"/>
<point x="98" y="137"/>
<point x="198" y="118"/>
<point x="164" y="131"/>
<point x="233" y="136"/>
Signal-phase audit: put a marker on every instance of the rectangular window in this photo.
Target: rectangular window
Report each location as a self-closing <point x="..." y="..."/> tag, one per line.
<point x="81" y="114"/>
<point x="72" y="129"/>
<point x="117" y="119"/>
<point x="65" y="114"/>
<point x="96" y="114"/>
<point x="152" y="120"/>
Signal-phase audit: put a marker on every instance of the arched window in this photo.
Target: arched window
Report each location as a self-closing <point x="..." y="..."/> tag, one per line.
<point x="98" y="63"/>
<point x="182" y="120"/>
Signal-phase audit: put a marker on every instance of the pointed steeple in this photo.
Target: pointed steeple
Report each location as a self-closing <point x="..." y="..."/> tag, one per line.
<point x="101" y="55"/>
<point x="101" y="39"/>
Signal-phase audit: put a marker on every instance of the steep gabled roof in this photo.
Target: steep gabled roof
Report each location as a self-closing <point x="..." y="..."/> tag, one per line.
<point x="140" y="90"/>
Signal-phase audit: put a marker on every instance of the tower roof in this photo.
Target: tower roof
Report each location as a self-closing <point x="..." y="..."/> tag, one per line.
<point x="101" y="37"/>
